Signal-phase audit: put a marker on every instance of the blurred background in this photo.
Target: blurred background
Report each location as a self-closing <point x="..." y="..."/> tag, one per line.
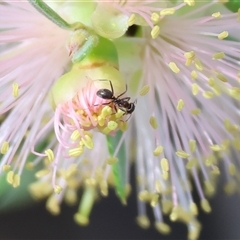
<point x="111" y="220"/>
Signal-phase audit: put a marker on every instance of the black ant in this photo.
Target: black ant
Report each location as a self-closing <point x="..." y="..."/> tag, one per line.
<point x="122" y="103"/>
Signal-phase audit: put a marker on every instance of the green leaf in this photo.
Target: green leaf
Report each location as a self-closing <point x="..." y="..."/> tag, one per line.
<point x="119" y="168"/>
<point x="233" y="5"/>
<point x="12" y="198"/>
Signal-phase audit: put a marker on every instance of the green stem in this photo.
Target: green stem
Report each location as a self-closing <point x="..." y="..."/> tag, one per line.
<point x="50" y="14"/>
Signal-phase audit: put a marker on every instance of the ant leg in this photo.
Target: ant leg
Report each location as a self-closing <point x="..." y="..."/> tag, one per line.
<point x="122" y="93"/>
<point x="103" y="104"/>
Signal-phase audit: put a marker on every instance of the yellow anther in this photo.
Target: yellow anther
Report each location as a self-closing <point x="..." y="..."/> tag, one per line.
<point x="71" y="171"/>
<point x="91" y="182"/>
<point x="5" y="147"/>
<point x="123" y="126"/>
<point x="29" y="166"/>
<point x="112" y="125"/>
<point x="167" y="11"/>
<point x="42" y="173"/>
<point x="215" y="170"/>
<point x="104" y="188"/>
<point x="15" y="90"/>
<point x="6" y="167"/>
<point x="194" y="230"/>
<point x="232" y="169"/>
<point x="230" y="188"/>
<point x="211" y="82"/>
<point x="198" y="64"/>
<point x="16" y="180"/>
<point x="10" y="177"/>
<point x="153" y="122"/>
<point x="216" y="15"/>
<point x="50" y="155"/>
<point x="216" y="148"/>
<point x="163" y="228"/>
<point x="101" y="121"/>
<point x="208" y="94"/>
<point x="234" y="91"/>
<point x="223" y="35"/>
<point x="75" y="152"/>
<point x="195" y="89"/>
<point x="182" y="154"/>
<point x="222" y="77"/>
<point x="87" y="141"/>
<point x="180" y="104"/>
<point x="188" y="62"/>
<point x="131" y="20"/>
<point x="71" y="196"/>
<point x="196" y="111"/>
<point x="192" y="145"/>
<point x="164" y="164"/>
<point x="119" y="113"/>
<point x="209" y="187"/>
<point x="174" y="67"/>
<point x="144" y="90"/>
<point x="112" y="160"/>
<point x="155" y="18"/>
<point x="57" y="189"/>
<point x="106" y="111"/>
<point x="174" y="216"/>
<point x="154" y="200"/>
<point x="218" y="55"/>
<point x="52" y="205"/>
<point x="158" y="186"/>
<point x="190" y="2"/>
<point x="158" y="150"/>
<point x="193" y="208"/>
<point x="144" y="196"/>
<point x="166" y="206"/>
<point x="189" y="55"/>
<point x="80" y="219"/>
<point x="191" y="163"/>
<point x="165" y="175"/>
<point x="155" y="32"/>
<point x="194" y="75"/>
<point x="75" y="135"/>
<point x="210" y="160"/>
<point x="143" y="221"/>
<point x="205" y="205"/>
